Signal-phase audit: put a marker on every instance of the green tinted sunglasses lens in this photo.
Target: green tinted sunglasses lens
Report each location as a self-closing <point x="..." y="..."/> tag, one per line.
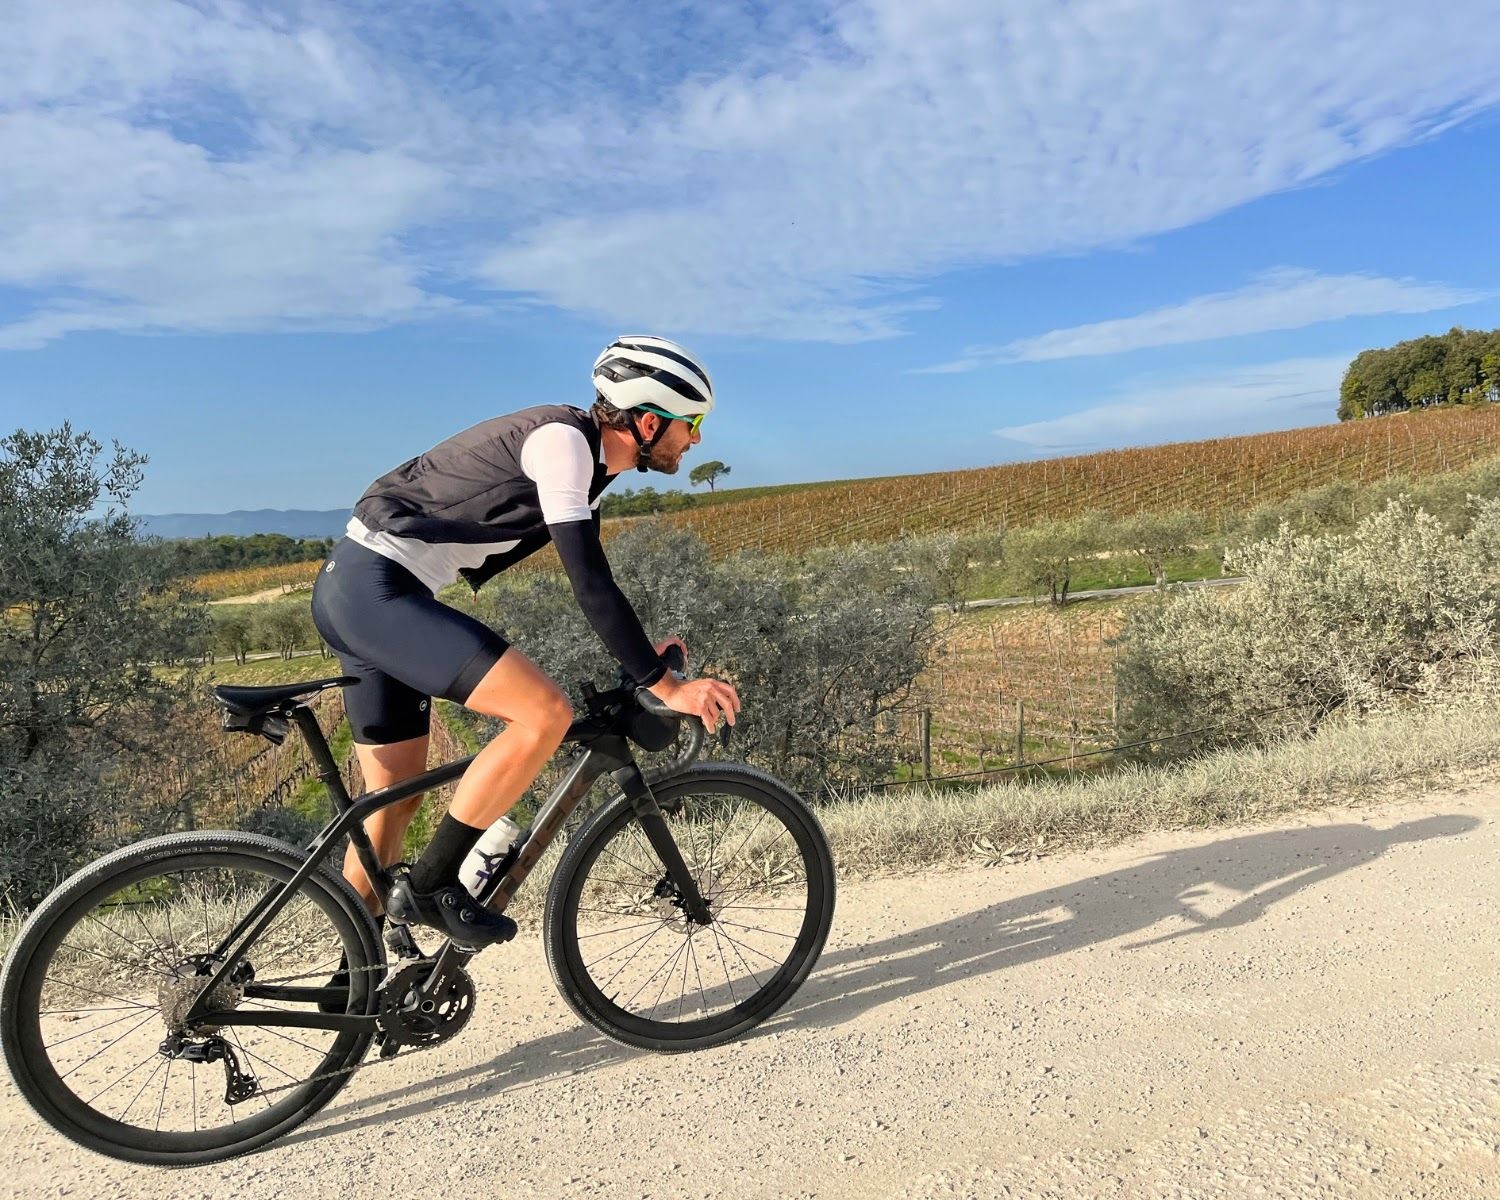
<point x="693" y="422"/>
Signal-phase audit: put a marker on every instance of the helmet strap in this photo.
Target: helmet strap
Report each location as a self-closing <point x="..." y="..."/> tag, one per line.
<point x="643" y="453"/>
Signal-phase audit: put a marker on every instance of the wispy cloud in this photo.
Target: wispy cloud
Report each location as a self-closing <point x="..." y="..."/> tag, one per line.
<point x="304" y="164"/>
<point x="1284" y="298"/>
<point x="1279" y="395"/>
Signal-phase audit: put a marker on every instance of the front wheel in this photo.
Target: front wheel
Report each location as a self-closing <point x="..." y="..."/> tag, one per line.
<point x="624" y="952"/>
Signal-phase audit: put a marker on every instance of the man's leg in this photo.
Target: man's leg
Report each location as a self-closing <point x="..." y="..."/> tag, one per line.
<point x="537" y="714"/>
<point x="384" y="766"/>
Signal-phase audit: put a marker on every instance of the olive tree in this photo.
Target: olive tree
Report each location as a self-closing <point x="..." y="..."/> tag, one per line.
<point x="233" y="634"/>
<point x="1045" y="555"/>
<point x="1324" y="622"/>
<point x="86" y="610"/>
<point x="819" y="649"/>
<point x="1156" y="538"/>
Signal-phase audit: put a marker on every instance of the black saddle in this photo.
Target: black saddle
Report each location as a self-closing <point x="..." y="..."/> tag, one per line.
<point x="263" y="710"/>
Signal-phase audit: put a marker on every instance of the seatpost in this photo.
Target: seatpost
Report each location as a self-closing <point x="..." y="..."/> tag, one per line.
<point x="322" y="756"/>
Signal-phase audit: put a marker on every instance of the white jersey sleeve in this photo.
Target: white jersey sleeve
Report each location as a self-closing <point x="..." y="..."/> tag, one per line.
<point x="556" y="457"/>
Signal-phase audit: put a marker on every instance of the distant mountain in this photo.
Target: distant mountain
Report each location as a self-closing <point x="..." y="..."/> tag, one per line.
<point x="293" y="522"/>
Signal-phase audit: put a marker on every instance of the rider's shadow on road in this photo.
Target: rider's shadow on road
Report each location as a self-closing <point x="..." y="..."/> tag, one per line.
<point x="1252" y="873"/>
<point x="1255" y="872"/>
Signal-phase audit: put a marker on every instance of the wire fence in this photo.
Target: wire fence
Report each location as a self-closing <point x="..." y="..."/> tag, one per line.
<point x="984" y="774"/>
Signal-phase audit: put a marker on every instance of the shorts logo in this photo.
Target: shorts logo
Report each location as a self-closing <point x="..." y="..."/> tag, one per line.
<point x="328" y="570"/>
<point x="422" y="707"/>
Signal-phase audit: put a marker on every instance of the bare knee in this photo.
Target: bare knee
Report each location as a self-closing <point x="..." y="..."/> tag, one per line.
<point x="557" y="716"/>
<point x="517" y="692"/>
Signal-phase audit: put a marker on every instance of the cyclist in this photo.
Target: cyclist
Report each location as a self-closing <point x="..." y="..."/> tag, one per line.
<point x="470" y="507"/>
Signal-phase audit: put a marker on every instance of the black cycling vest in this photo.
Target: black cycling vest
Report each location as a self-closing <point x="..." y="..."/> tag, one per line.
<point x="470" y="490"/>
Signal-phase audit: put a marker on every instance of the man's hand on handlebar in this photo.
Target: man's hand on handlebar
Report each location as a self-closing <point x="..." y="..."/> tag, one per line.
<point x="706" y="699"/>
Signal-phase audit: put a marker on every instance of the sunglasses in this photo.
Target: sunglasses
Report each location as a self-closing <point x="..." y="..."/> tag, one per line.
<point x="693" y="421"/>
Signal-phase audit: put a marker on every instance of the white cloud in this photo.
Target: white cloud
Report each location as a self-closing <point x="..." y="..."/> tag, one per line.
<point x="228" y="165"/>
<point x="1285" y="298"/>
<point x="1279" y="395"/>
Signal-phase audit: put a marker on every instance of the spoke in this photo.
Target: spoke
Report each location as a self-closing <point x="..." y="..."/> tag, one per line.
<point x="166" y="911"/>
<point x="666" y="965"/>
<point x="724" y="962"/>
<point x="745" y="866"/>
<point x="753" y="888"/>
<point x="647" y="885"/>
<point x="193" y="1072"/>
<point x="78" y="987"/>
<point x="93" y="1008"/>
<point x="686" y="960"/>
<point x="162" y="1103"/>
<point x="629" y="866"/>
<point x="791" y="937"/>
<point x="114" y="1043"/>
<point x="743" y="962"/>
<point x="583" y="937"/>
<point x="698" y="974"/>
<point x="760" y="908"/>
<point x="638" y="836"/>
<point x="139" y="949"/>
<point x="286" y="1036"/>
<point x="713" y="836"/>
<point x="745" y="841"/>
<point x="119" y="962"/>
<point x="746" y="945"/>
<point x="296" y="1079"/>
<point x="120" y="1080"/>
<point x="144" y="1086"/>
<point x="208" y="939"/>
<point x="86" y="1032"/>
<point x="642" y="940"/>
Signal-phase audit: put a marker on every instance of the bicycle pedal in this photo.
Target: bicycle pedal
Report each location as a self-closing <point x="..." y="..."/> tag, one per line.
<point x="399" y="940"/>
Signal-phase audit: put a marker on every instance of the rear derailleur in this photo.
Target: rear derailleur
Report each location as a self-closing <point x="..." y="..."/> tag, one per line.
<point x="238" y="1084"/>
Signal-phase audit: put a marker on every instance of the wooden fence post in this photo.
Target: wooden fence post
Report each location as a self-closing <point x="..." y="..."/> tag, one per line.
<point x="926" y="743"/>
<point x="1021" y="733"/>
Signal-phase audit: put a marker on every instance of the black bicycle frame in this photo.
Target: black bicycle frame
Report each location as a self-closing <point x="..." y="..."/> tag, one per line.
<point x="604" y="750"/>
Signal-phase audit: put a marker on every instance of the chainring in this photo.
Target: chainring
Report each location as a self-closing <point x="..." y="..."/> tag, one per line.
<point x="408" y="1018"/>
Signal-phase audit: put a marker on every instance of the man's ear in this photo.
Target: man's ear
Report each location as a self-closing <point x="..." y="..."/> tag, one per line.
<point x="647" y="423"/>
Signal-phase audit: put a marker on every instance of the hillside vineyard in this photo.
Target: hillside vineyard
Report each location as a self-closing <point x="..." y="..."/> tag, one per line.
<point x="1209" y="478"/>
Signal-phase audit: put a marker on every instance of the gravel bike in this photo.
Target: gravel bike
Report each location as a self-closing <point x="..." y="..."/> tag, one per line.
<point x="686" y="908"/>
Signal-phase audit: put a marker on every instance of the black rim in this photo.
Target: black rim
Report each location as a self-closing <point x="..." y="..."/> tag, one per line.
<point x="649" y="970"/>
<point x="92" y="1006"/>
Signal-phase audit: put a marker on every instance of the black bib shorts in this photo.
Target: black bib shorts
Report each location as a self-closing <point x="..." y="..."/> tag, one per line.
<point x="401" y="643"/>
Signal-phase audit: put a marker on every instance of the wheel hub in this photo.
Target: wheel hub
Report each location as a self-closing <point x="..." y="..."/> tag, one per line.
<point x="178" y="991"/>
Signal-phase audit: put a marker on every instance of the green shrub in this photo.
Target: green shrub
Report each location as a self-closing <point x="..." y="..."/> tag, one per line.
<point x="1324" y="621"/>
<point x="819" y="649"/>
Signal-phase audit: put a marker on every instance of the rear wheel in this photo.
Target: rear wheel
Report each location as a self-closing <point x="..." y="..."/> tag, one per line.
<point x="631" y="962"/>
<point x="96" y="988"/>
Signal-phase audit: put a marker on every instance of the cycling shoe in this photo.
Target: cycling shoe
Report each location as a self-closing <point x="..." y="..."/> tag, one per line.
<point x="450" y="910"/>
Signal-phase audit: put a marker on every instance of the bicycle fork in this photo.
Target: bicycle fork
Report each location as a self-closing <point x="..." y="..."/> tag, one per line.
<point x="649" y="813"/>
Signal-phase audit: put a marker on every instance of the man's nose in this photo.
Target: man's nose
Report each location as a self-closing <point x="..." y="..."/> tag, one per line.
<point x="695" y="437"/>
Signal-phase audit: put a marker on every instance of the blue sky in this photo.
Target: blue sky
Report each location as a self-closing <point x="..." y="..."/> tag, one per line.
<point x="281" y="247"/>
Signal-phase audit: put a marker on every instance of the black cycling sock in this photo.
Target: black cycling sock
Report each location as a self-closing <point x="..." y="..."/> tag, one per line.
<point x="439" y="864"/>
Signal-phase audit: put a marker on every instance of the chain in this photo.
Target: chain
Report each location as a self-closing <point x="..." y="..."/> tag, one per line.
<point x="406" y="1052"/>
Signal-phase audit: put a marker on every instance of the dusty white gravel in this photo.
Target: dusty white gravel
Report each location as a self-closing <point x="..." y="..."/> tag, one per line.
<point x="1299" y="1010"/>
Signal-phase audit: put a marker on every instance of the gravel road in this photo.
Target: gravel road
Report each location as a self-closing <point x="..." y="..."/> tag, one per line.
<point x="1299" y="1010"/>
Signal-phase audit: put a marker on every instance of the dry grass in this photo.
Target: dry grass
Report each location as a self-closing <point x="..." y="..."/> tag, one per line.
<point x="1415" y="750"/>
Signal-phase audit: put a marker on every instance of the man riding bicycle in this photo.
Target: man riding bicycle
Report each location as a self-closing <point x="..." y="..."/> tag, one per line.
<point x="471" y="507"/>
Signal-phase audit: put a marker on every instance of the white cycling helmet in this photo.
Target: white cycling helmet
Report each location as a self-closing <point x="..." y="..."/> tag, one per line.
<point x="637" y="370"/>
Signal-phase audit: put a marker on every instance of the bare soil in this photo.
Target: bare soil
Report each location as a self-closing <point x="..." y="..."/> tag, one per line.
<point x="1305" y="1009"/>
